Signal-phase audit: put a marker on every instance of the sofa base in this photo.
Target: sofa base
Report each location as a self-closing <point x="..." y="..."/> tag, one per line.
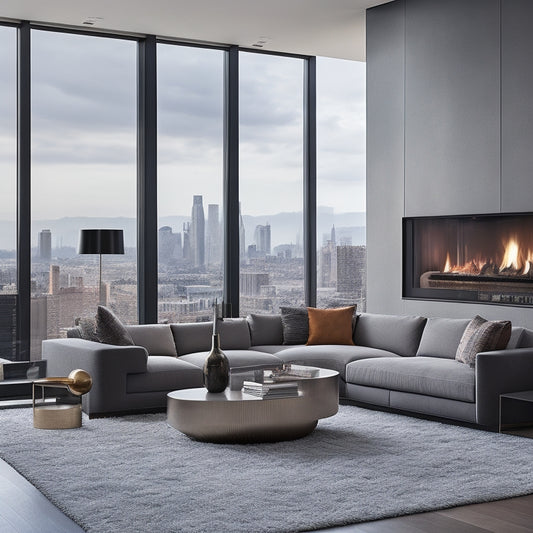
<point x="412" y="414"/>
<point x="406" y="402"/>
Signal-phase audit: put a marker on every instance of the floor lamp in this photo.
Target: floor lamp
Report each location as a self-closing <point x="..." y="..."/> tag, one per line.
<point x="101" y="241"/>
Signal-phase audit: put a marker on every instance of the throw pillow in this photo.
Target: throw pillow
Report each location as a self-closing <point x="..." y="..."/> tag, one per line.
<point x="331" y="326"/>
<point x="87" y="328"/>
<point x="481" y="336"/>
<point x="295" y="324"/>
<point x="110" y="329"/>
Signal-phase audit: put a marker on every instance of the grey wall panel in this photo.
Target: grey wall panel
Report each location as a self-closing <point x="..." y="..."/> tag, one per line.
<point x="517" y="108"/>
<point x="385" y="148"/>
<point x="452" y="102"/>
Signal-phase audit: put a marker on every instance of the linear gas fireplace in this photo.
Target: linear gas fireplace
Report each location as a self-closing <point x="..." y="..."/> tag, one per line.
<point x="474" y="258"/>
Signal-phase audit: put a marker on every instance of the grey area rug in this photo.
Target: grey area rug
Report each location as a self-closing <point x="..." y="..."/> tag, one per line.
<point x="137" y="474"/>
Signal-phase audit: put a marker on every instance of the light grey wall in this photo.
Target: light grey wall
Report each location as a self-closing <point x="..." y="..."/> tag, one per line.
<point x="449" y="129"/>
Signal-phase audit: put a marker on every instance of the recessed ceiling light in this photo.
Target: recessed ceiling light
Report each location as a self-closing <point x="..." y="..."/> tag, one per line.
<point x="91" y="21"/>
<point x="261" y="42"/>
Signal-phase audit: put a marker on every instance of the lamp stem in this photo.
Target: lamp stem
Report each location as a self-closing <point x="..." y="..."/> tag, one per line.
<point x="100" y="295"/>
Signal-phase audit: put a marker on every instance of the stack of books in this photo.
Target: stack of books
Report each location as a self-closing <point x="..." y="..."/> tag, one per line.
<point x="288" y="389"/>
<point x="291" y="372"/>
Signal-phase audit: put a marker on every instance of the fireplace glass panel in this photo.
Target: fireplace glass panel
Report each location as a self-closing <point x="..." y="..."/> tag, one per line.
<point x="481" y="258"/>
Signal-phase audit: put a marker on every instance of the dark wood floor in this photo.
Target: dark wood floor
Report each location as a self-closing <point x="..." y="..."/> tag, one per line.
<point x="23" y="509"/>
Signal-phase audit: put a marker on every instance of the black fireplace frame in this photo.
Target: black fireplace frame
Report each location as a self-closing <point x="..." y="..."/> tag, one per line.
<point x="412" y="292"/>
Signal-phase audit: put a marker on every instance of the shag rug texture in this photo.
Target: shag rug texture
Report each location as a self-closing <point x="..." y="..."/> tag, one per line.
<point x="137" y="474"/>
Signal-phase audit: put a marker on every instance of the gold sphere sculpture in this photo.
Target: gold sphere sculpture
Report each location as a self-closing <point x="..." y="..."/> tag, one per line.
<point x="78" y="381"/>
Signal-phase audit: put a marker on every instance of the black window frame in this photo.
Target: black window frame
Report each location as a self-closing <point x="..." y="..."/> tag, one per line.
<point x="147" y="267"/>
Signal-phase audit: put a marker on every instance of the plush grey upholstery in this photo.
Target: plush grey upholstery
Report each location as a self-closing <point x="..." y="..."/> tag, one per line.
<point x="499" y="372"/>
<point x="265" y="329"/>
<point x="397" y="334"/>
<point x="236" y="358"/>
<point x="165" y="374"/>
<point x="441" y="337"/>
<point x="138" y="378"/>
<point x="332" y="356"/>
<point x="156" y="338"/>
<point x="431" y="376"/>
<point x="189" y="338"/>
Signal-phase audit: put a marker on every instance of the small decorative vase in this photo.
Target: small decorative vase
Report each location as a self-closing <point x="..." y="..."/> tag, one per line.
<point x="216" y="368"/>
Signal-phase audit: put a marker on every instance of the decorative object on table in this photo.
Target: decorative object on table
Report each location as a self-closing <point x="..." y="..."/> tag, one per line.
<point x="216" y="366"/>
<point x="101" y="241"/>
<point x="289" y="372"/>
<point x="60" y="411"/>
<point x="288" y="389"/>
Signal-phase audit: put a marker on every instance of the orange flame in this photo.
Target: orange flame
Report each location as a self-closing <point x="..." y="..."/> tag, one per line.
<point x="516" y="260"/>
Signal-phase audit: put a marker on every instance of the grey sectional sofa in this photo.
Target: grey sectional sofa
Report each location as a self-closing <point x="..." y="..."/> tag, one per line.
<point x="405" y="363"/>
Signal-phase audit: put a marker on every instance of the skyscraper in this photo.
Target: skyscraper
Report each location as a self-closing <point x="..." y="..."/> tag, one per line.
<point x="187" y="253"/>
<point x="351" y="269"/>
<point x="327" y="262"/>
<point x="262" y="238"/>
<point x="214" y="235"/>
<point x="45" y="245"/>
<point x="242" y="237"/>
<point x="198" y="232"/>
<point x="169" y="246"/>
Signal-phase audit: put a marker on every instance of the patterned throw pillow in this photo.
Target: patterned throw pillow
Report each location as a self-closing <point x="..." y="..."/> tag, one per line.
<point x="482" y="336"/>
<point x="110" y="329"/>
<point x="87" y="327"/>
<point x="295" y="323"/>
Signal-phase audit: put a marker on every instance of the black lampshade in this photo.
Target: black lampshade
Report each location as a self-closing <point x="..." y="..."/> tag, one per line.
<point x="101" y="241"/>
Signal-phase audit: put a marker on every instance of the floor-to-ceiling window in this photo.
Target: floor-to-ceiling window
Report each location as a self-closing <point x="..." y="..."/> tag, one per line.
<point x="341" y="183"/>
<point x="190" y="122"/>
<point x="83" y="177"/>
<point x="8" y="194"/>
<point x="271" y="96"/>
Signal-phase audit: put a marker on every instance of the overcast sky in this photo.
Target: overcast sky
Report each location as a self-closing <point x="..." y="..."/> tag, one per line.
<point x="84" y="136"/>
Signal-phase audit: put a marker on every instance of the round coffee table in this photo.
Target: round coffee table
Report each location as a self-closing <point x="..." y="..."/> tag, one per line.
<point x="233" y="416"/>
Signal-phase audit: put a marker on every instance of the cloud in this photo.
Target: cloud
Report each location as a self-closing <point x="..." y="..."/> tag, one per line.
<point x="84" y="125"/>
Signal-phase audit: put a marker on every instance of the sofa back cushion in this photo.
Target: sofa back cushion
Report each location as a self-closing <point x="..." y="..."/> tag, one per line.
<point x="441" y="337"/>
<point x="265" y="330"/>
<point x="517" y="337"/>
<point x="197" y="337"/>
<point x="398" y="334"/>
<point x="156" y="338"/>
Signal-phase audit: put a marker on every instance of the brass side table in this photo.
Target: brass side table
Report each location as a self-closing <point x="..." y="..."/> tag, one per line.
<point x="59" y="411"/>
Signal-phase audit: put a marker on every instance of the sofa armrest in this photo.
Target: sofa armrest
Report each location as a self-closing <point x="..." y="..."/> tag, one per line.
<point x="108" y="366"/>
<point x="500" y="372"/>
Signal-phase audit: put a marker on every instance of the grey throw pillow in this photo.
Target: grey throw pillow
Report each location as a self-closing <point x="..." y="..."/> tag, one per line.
<point x="295" y="323"/>
<point x="110" y="329"/>
<point x="87" y="329"/>
<point x="481" y="336"/>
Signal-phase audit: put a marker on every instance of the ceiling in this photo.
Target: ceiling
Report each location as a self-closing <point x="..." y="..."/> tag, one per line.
<point x="332" y="28"/>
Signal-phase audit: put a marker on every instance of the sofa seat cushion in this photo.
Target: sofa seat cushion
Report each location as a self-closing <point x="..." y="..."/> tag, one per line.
<point x="236" y="358"/>
<point x="432" y="376"/>
<point x="274" y="348"/>
<point x="331" y="356"/>
<point x="165" y="373"/>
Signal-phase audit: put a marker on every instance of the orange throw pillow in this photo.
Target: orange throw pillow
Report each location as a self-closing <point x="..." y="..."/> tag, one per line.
<point x="330" y="326"/>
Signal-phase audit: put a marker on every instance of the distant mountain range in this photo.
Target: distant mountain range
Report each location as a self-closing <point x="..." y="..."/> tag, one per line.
<point x="286" y="228"/>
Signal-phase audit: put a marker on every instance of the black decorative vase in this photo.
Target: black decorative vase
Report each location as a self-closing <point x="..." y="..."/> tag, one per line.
<point x="216" y="368"/>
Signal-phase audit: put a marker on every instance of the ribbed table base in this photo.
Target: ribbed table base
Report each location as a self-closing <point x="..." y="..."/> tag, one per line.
<point x="234" y="417"/>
